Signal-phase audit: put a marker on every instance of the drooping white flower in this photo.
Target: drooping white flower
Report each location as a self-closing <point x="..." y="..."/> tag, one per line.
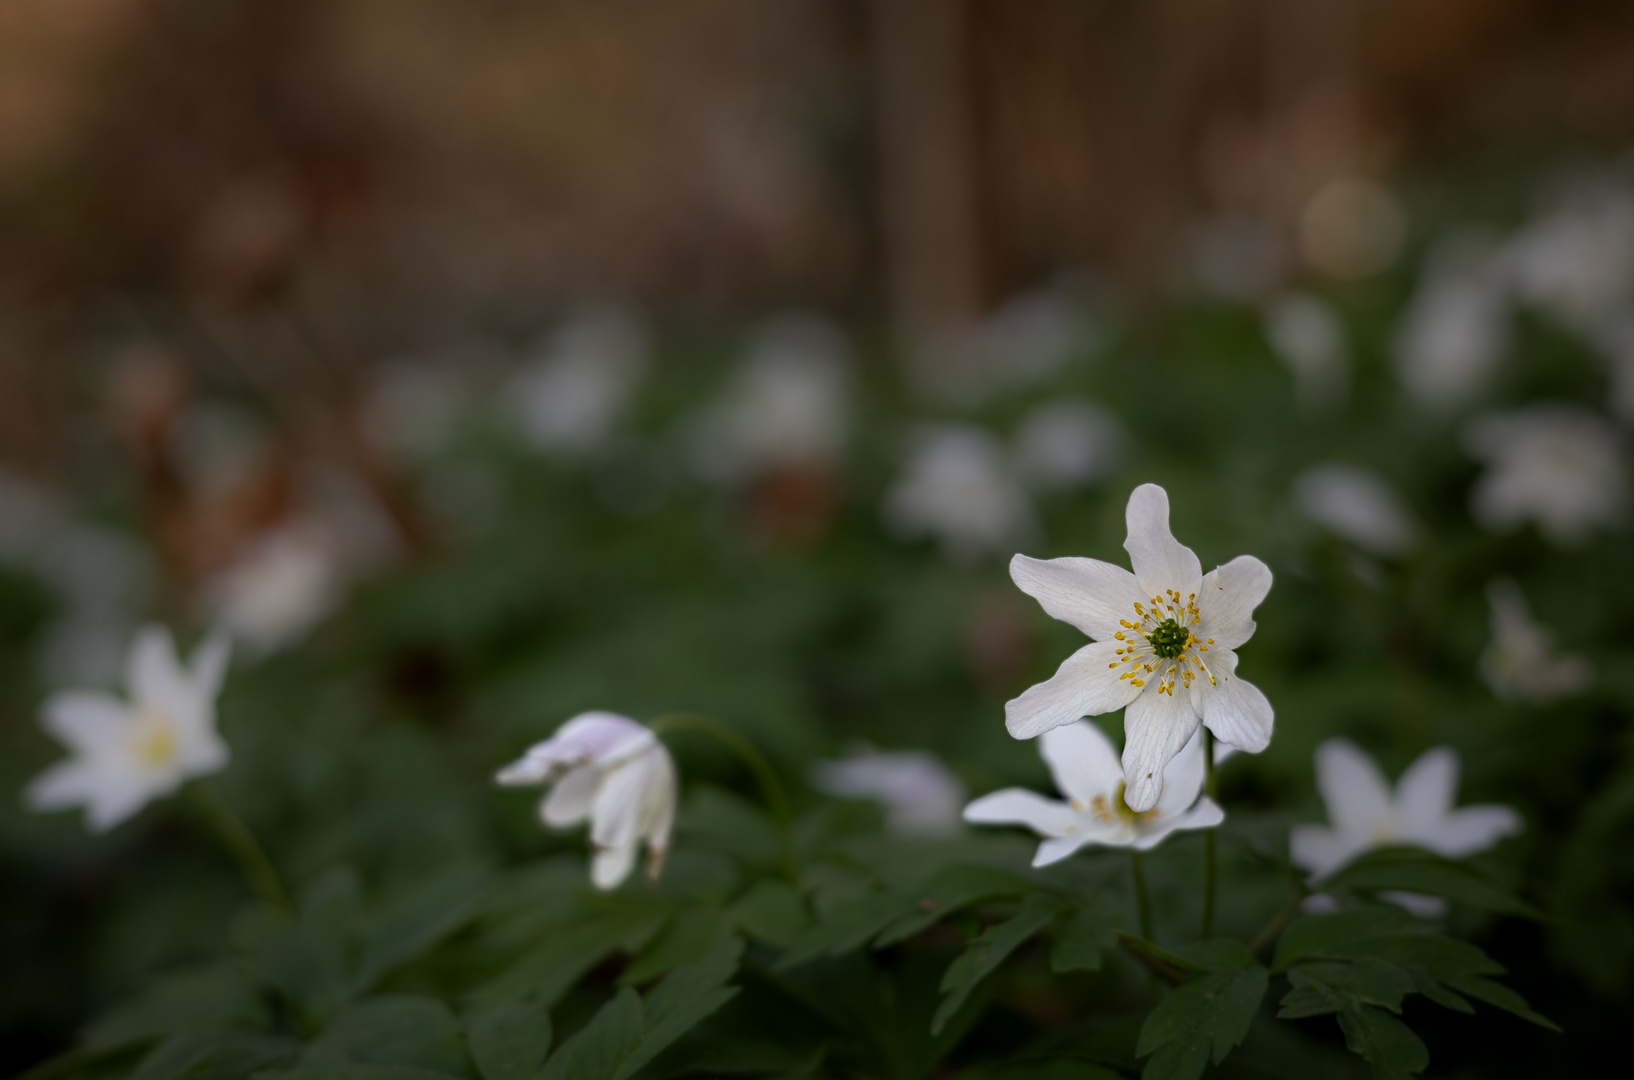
<point x="1307" y="336"/>
<point x="278" y="590"/>
<point x="1062" y="445"/>
<point x="959" y="488"/>
<point x="1358" y="506"/>
<point x="1521" y="663"/>
<point x="1456" y="331"/>
<point x="921" y="796"/>
<point x="1164" y="646"/>
<point x="1557" y="465"/>
<point x="130" y="752"/>
<point x="1365" y="814"/>
<point x="1086" y="770"/>
<point x="572" y="396"/>
<point x="613" y="772"/>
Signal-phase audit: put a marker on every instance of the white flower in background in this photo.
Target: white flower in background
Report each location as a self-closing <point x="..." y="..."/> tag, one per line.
<point x="278" y="590"/>
<point x="1163" y="649"/>
<point x="1614" y="338"/>
<point x="128" y="753"/>
<point x="1356" y="505"/>
<point x="1456" y="330"/>
<point x="920" y="795"/>
<point x="1576" y="261"/>
<point x="959" y="488"/>
<point x="614" y="773"/>
<point x="1062" y="445"/>
<point x="1032" y="336"/>
<point x="1364" y="814"/>
<point x="1521" y="662"/>
<point x="1557" y="465"/>
<point x="572" y="396"/>
<point x="1086" y="770"/>
<point x="1309" y="339"/>
<point x="789" y="405"/>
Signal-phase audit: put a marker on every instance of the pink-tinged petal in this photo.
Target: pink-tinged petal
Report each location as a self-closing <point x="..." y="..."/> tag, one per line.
<point x="1018" y="806"/>
<point x="1321" y="850"/>
<point x="1356" y="794"/>
<point x="1086" y="684"/>
<point x="1182" y="780"/>
<point x="1235" y="710"/>
<point x="1156" y="726"/>
<point x="1426" y="790"/>
<point x="570" y="800"/>
<point x="1082" y="761"/>
<point x="1159" y="560"/>
<point x="1469" y="829"/>
<point x="87" y="722"/>
<point x="1227" y="599"/>
<point x="1054" y="850"/>
<point x="1092" y="595"/>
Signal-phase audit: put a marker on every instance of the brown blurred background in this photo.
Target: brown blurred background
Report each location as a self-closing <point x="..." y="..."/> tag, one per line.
<point x="304" y="182"/>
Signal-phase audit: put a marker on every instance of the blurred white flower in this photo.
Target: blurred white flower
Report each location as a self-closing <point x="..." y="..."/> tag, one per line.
<point x="1557" y="465"/>
<point x="1576" y="260"/>
<point x="1614" y="339"/>
<point x="277" y="590"/>
<point x="1168" y="627"/>
<point x="1356" y="505"/>
<point x="921" y="796"/>
<point x="1086" y="770"/>
<point x="128" y="753"/>
<point x="1456" y="330"/>
<point x="788" y="406"/>
<point x="1309" y="339"/>
<point x="1032" y="336"/>
<point x="1062" y="445"/>
<point x="1521" y="662"/>
<point x="1239" y="257"/>
<point x="572" y="396"/>
<point x="958" y="487"/>
<point x="614" y="773"/>
<point x="1364" y="814"/>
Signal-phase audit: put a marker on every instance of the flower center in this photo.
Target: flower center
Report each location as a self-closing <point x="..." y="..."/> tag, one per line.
<point x="154" y="741"/>
<point x="1162" y="643"/>
<point x="1110" y="810"/>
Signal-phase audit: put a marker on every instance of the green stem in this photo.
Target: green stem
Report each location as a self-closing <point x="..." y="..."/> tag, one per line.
<point x="1279" y="922"/>
<point x="241" y="844"/>
<point x="771" y="789"/>
<point x="1143" y="900"/>
<point x="1211" y="868"/>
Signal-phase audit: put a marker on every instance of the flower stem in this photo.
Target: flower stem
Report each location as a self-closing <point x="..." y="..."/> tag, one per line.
<point x="1211" y="868"/>
<point x="1279" y="922"/>
<point x="771" y="789"/>
<point x="241" y="844"/>
<point x="1143" y="899"/>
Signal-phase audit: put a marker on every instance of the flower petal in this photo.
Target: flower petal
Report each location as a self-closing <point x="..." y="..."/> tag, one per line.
<point x="88" y="722"/>
<point x="611" y="865"/>
<point x="569" y="802"/>
<point x="116" y="799"/>
<point x="1426" y="790"/>
<point x="156" y="677"/>
<point x="1084" y="685"/>
<point x="1356" y="794"/>
<point x="1159" y="560"/>
<point x="1228" y="597"/>
<point x="1018" y="806"/>
<point x="1155" y="728"/>
<point x="1056" y="849"/>
<point x="1082" y="761"/>
<point x="1322" y="850"/>
<point x="68" y="783"/>
<point x="1182" y="779"/>
<point x="1092" y="595"/>
<point x="1205" y="815"/>
<point x="1470" y="829"/>
<point x="1234" y="709"/>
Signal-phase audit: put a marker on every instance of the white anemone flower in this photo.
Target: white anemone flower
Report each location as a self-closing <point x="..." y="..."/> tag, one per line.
<point x="129" y="752"/>
<point x="282" y="587"/>
<point x="1086" y="770"/>
<point x="1557" y="465"/>
<point x="1062" y="445"/>
<point x="1308" y="337"/>
<point x="1521" y="664"/>
<point x="959" y="487"/>
<point x="1456" y="331"/>
<point x="1358" y="506"/>
<point x="1365" y="814"/>
<point x="572" y="397"/>
<point x="1576" y="261"/>
<point x="1164" y="646"/>
<point x="920" y="795"/>
<point x="613" y="772"/>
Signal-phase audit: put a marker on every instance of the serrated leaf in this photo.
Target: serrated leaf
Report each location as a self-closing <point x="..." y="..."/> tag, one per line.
<point x="509" y="1042"/>
<point x="600" y="1049"/>
<point x="1405" y="872"/>
<point x="1316" y="999"/>
<point x="1210" y="1013"/>
<point x="1499" y="995"/>
<point x="417" y="920"/>
<point x="1384" y="1042"/>
<point x="847" y="927"/>
<point x="1315" y="934"/>
<point x="690" y="936"/>
<point x="1441" y="956"/>
<point x="394" y="1029"/>
<point x="947" y="891"/>
<point x="215" y="1055"/>
<point x="1084" y="937"/>
<point x="548" y="970"/>
<point x="989" y="950"/>
<point x="1365" y="981"/>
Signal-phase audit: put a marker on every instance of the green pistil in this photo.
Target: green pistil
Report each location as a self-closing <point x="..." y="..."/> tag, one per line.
<point x="1169" y="639"/>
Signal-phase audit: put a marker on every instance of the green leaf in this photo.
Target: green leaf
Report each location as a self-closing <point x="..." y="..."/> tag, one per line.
<point x="1384" y="1042"/>
<point x="1501" y="996"/>
<point x="419" y="919"/>
<point x="217" y="1055"/>
<point x="1365" y="981"/>
<point x="1418" y="873"/>
<point x="196" y="1000"/>
<point x="1217" y="954"/>
<point x="1441" y="956"/>
<point x="548" y="970"/>
<point x="848" y="926"/>
<point x="397" y="1030"/>
<point x="948" y="891"/>
<point x="1084" y="936"/>
<point x="1316" y="934"/>
<point x="989" y="951"/>
<point x="690" y="936"/>
<point x="509" y="1042"/>
<point x="627" y="1033"/>
<point x="1212" y="1012"/>
<point x="771" y="911"/>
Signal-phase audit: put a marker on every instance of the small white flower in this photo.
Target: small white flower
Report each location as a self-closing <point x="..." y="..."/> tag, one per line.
<point x="1521" y="663"/>
<point x="1614" y="338"/>
<point x="1309" y="339"/>
<point x="1366" y="815"/>
<point x="128" y="753"/>
<point x="1358" y="506"/>
<point x="1086" y="770"/>
<point x="921" y="796"/>
<point x="614" y="773"/>
<point x="1164" y="646"/>
<point x="276" y="591"/>
<point x="959" y="488"/>
<point x="1557" y="465"/>
<point x="1456" y="331"/>
<point x="1062" y="445"/>
<point x="1576" y="260"/>
<point x="572" y="396"/>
